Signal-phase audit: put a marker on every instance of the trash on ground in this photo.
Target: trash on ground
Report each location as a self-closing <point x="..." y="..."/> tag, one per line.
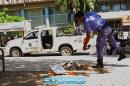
<point x="65" y="80"/>
<point x="68" y="72"/>
<point x="74" y="68"/>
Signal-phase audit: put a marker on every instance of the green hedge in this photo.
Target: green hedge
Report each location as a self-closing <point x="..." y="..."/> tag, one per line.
<point x="4" y="17"/>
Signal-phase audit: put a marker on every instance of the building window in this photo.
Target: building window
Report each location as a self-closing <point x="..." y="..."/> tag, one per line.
<point x="57" y="18"/>
<point x="36" y="15"/>
<point x="123" y="4"/>
<point x="51" y="17"/>
<point x="43" y="16"/>
<point x="102" y="5"/>
<point x="111" y="5"/>
<point x="60" y="18"/>
<point x="14" y="13"/>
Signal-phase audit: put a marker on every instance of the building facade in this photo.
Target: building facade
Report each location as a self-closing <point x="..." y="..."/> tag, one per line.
<point x="113" y="11"/>
<point x="44" y="12"/>
<point x="41" y="12"/>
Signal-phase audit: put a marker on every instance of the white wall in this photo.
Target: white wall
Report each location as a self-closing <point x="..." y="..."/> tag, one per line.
<point x="24" y="25"/>
<point x="114" y="15"/>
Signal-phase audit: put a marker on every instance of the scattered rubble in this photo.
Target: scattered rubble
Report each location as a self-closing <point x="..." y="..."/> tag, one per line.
<point x="71" y="69"/>
<point x="71" y="66"/>
<point x="74" y="68"/>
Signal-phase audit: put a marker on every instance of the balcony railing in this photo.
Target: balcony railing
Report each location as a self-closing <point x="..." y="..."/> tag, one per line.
<point x="6" y="2"/>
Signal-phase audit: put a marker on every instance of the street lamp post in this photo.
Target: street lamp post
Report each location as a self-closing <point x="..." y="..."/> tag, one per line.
<point x="2" y="58"/>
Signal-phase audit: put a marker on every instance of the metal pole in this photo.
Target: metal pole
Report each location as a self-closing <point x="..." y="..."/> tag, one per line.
<point x="3" y="60"/>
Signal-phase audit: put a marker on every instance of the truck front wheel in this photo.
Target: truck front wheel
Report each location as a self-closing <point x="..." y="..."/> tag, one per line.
<point x="15" y="52"/>
<point x="66" y="51"/>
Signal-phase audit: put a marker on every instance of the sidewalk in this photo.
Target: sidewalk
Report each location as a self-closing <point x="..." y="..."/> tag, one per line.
<point x="119" y="75"/>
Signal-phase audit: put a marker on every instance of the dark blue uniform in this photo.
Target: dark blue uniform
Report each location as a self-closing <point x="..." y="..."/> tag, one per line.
<point x="93" y="22"/>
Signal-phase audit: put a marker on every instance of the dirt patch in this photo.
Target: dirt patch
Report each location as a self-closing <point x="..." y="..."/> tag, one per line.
<point x="21" y="78"/>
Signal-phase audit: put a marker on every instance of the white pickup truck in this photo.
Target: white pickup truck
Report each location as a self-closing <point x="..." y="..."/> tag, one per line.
<point x="45" y="40"/>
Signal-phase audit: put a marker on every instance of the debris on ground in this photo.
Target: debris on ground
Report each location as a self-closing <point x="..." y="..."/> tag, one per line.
<point x="74" y="68"/>
<point x="58" y="69"/>
<point x="86" y="68"/>
<point x="70" y="70"/>
<point x="26" y="78"/>
<point x="65" y="79"/>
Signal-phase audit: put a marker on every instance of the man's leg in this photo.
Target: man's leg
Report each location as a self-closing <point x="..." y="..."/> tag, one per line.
<point x="111" y="50"/>
<point x="101" y="42"/>
<point x="115" y="44"/>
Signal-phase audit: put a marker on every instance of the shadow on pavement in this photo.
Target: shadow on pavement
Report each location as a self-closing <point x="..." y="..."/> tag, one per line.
<point x="105" y="64"/>
<point x="37" y="55"/>
<point x="116" y="65"/>
<point x="52" y="54"/>
<point x="21" y="78"/>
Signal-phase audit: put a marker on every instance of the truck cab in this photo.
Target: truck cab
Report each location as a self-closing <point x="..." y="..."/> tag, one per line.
<point x="46" y="40"/>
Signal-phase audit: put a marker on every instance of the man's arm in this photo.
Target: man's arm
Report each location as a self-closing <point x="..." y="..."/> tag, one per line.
<point x="87" y="39"/>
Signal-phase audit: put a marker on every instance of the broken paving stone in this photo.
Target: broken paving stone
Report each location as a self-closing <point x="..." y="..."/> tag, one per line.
<point x="7" y="64"/>
<point x="102" y="70"/>
<point x="42" y="75"/>
<point x="57" y="69"/>
<point x="26" y="81"/>
<point x="85" y="73"/>
<point x="34" y="76"/>
<point x="18" y="62"/>
<point x="76" y="66"/>
<point x="21" y="66"/>
<point x="5" y="84"/>
<point x="38" y="81"/>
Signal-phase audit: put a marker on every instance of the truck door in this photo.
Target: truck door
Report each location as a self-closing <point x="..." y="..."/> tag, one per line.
<point x="47" y="39"/>
<point x="31" y="42"/>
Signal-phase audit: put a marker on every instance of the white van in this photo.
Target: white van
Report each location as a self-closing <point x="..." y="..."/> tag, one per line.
<point x="45" y="40"/>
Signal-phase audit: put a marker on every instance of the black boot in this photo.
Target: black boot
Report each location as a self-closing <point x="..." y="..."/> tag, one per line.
<point x="121" y="56"/>
<point x="99" y="64"/>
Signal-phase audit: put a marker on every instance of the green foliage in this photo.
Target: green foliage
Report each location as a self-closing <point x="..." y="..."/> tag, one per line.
<point x="4" y="17"/>
<point x="90" y="5"/>
<point x="61" y="5"/>
<point x="69" y="29"/>
<point x="82" y="5"/>
<point x="71" y="6"/>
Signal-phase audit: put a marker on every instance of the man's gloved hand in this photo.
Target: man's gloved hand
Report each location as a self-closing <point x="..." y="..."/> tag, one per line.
<point x="86" y="48"/>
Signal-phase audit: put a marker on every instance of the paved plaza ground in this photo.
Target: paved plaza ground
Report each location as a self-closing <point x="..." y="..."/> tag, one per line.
<point x="119" y="76"/>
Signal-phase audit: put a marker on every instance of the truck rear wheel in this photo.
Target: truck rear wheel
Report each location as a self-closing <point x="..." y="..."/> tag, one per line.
<point x="15" y="52"/>
<point x="66" y="51"/>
